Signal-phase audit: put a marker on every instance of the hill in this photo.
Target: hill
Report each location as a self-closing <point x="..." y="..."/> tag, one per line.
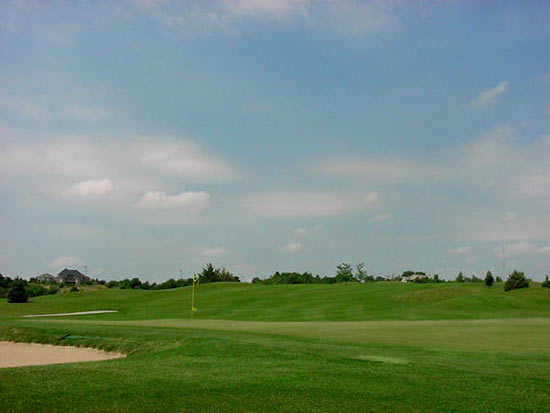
<point x="337" y="302"/>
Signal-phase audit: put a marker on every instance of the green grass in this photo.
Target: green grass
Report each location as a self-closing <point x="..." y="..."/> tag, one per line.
<point x="374" y="347"/>
<point x="340" y="302"/>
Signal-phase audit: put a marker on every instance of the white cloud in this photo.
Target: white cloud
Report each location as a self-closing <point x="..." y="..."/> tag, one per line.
<point x="41" y="109"/>
<point x="266" y="8"/>
<point x="182" y="158"/>
<point x="495" y="160"/>
<point x="461" y="250"/>
<point x="86" y="113"/>
<point x="64" y="262"/>
<point x="301" y="232"/>
<point x="292" y="247"/>
<point x="489" y="96"/>
<point x="91" y="188"/>
<point x="284" y="205"/>
<point x="214" y="252"/>
<point x="509" y="216"/>
<point x="520" y="248"/>
<point x="130" y="159"/>
<point x="376" y="169"/>
<point x="343" y="16"/>
<point x="381" y="218"/>
<point x="184" y="200"/>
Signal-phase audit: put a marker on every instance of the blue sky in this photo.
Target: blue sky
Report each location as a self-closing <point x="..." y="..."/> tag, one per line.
<point x="145" y="137"/>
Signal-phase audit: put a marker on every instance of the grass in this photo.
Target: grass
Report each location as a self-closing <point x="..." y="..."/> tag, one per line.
<point x="339" y="302"/>
<point x="380" y="346"/>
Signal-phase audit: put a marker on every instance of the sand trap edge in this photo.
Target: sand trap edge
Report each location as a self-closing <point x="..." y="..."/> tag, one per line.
<point x="22" y="354"/>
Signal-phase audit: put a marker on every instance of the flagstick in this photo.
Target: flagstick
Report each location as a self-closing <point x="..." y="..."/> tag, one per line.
<point x="195" y="282"/>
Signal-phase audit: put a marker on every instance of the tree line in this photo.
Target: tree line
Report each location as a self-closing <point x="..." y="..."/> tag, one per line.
<point x="209" y="274"/>
<point x="19" y="290"/>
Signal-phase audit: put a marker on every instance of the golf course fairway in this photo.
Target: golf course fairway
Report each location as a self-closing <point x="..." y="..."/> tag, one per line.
<point x="380" y="346"/>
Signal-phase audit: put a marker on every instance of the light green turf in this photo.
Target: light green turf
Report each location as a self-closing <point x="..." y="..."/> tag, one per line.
<point x="375" y="347"/>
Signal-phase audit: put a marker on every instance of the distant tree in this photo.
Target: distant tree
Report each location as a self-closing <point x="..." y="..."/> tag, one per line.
<point x="460" y="277"/>
<point x="489" y="279"/>
<point x="436" y="278"/>
<point x="546" y="283"/>
<point x="212" y="274"/>
<point x="209" y="273"/>
<point x="17" y="293"/>
<point x="74" y="289"/>
<point x="407" y="273"/>
<point x="361" y="271"/>
<point x="135" y="283"/>
<point x="516" y="280"/>
<point x="344" y="273"/>
<point x="498" y="279"/>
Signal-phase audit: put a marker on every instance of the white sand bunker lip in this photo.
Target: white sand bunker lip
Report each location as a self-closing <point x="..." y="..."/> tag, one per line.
<point x="33" y="354"/>
<point x="77" y="313"/>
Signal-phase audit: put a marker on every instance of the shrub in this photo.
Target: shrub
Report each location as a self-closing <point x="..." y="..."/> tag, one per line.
<point x="489" y="279"/>
<point x="112" y="284"/>
<point x="52" y="290"/>
<point x="35" y="290"/>
<point x="516" y="280"/>
<point x="546" y="283"/>
<point x="17" y="293"/>
<point x="74" y="289"/>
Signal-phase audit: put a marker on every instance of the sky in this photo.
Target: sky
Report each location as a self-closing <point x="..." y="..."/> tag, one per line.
<point x="149" y="137"/>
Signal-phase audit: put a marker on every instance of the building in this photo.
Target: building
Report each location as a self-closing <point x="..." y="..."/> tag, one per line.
<point x="45" y="278"/>
<point x="412" y="277"/>
<point x="72" y="277"/>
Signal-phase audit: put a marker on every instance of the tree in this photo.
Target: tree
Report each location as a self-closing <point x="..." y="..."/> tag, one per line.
<point x="344" y="273"/>
<point x="17" y="293"/>
<point x="489" y="279"/>
<point x="516" y="280"/>
<point x="210" y="273"/>
<point x="546" y="283"/>
<point x="460" y="277"/>
<point x="361" y="271"/>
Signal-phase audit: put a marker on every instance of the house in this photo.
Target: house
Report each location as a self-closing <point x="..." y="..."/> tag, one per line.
<point x="72" y="277"/>
<point x="412" y="277"/>
<point x="45" y="278"/>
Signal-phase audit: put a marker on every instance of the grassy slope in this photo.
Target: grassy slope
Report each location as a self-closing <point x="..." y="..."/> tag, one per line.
<point x="341" y="302"/>
<point x="274" y="358"/>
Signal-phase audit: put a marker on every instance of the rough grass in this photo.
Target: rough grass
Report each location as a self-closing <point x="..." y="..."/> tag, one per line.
<point x="373" y="347"/>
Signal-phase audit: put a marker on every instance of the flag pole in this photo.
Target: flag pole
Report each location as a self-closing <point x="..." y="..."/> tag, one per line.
<point x="195" y="283"/>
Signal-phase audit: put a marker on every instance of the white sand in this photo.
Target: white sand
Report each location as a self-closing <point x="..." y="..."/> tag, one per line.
<point x="33" y="354"/>
<point x="77" y="313"/>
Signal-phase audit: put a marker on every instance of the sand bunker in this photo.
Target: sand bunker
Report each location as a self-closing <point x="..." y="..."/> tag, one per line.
<point x="32" y="354"/>
<point x="77" y="313"/>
